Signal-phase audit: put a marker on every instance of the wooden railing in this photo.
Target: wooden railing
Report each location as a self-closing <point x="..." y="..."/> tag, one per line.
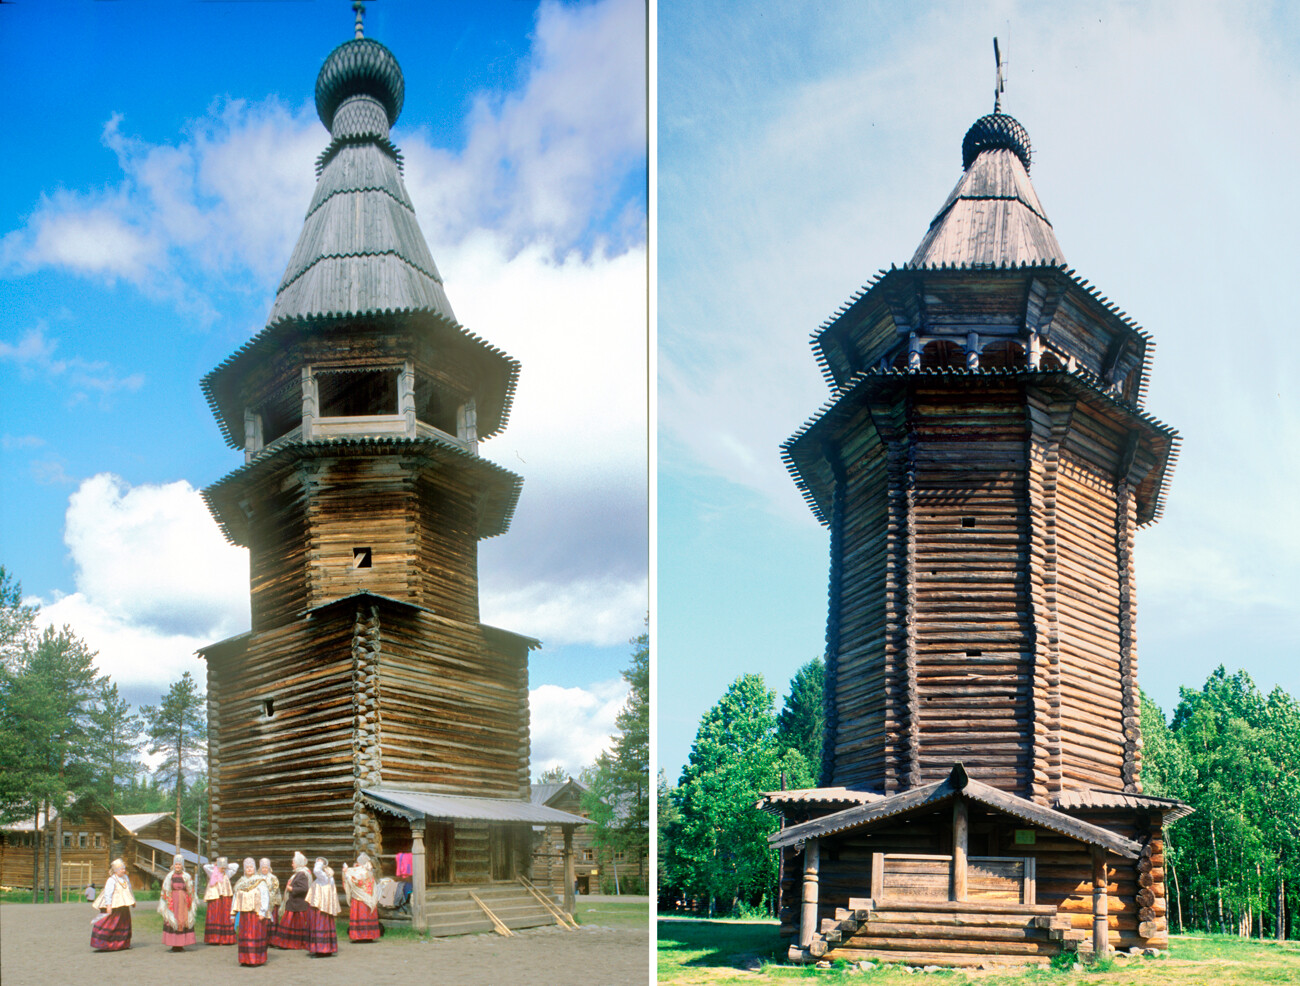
<point x="907" y="876"/>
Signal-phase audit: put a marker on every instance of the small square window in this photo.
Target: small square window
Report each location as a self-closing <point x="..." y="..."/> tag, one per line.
<point x="67" y="840"/>
<point x="268" y="708"/>
<point x="83" y="840"/>
<point x="99" y="841"/>
<point x="360" y="557"/>
<point x="968" y="522"/>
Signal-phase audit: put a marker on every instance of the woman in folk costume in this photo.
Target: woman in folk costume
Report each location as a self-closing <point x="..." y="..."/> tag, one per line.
<point x="218" y="926"/>
<point x="111" y="931"/>
<point x="252" y="907"/>
<point x="177" y="904"/>
<point x="324" y="901"/>
<point x="273" y="884"/>
<point x="293" y="930"/>
<point x="359" y="888"/>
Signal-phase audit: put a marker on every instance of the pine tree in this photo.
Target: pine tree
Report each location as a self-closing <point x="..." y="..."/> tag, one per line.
<point x="801" y="722"/>
<point x="177" y="729"/>
<point x="114" y="747"/>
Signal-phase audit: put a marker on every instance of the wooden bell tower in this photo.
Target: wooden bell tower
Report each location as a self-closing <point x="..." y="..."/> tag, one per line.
<point x="368" y="709"/>
<point x="983" y="466"/>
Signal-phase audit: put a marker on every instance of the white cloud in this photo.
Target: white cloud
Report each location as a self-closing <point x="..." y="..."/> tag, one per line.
<point x="584" y="611"/>
<point x="155" y="579"/>
<point x="33" y="354"/>
<point x="572" y="726"/>
<point x="545" y="162"/>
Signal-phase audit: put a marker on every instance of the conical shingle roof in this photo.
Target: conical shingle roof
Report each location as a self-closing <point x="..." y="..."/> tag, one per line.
<point x="993" y="216"/>
<point x="361" y="250"/>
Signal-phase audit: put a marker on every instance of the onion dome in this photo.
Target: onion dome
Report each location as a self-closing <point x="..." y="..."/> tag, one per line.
<point x="360" y="67"/>
<point x="993" y="216"/>
<point x="994" y="131"/>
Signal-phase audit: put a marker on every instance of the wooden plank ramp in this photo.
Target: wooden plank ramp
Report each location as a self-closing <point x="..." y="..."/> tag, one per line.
<point x="497" y="926"/>
<point x="562" y="919"/>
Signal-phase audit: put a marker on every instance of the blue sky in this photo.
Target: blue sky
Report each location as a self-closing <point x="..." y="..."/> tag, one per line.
<point x="803" y="147"/>
<point x="160" y="163"/>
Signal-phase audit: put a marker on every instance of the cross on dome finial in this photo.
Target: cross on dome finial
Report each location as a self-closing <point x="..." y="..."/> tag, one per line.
<point x="360" y="8"/>
<point x="998" y="88"/>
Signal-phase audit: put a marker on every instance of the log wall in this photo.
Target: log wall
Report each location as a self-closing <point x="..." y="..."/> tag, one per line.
<point x="455" y="711"/>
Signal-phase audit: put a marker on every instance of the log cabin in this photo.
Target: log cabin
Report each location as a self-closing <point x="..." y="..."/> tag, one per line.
<point x="144" y="841"/>
<point x="595" y="869"/>
<point x="368" y="708"/>
<point x="982" y="465"/>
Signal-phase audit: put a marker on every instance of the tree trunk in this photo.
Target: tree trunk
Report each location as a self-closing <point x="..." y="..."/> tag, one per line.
<point x="1218" y="882"/>
<point x="36" y="852"/>
<point x="45" y="842"/>
<point x="1281" y="905"/>
<point x="180" y="749"/>
<point x="58" y="858"/>
<point x="1178" y="896"/>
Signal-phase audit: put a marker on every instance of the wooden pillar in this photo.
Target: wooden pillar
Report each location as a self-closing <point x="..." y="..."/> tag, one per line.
<point x="1100" y="904"/>
<point x="960" y="845"/>
<point x="406" y="396"/>
<point x="570" y="878"/>
<point x="310" y="403"/>
<point x="418" y="872"/>
<point x="811" y="891"/>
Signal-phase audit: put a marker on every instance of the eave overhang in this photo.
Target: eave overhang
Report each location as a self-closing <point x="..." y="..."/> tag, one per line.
<point x="890" y="295"/>
<point x="423" y="805"/>
<point x="807" y="452"/>
<point x="498" y="488"/>
<point x="928" y="797"/>
<point x="498" y="373"/>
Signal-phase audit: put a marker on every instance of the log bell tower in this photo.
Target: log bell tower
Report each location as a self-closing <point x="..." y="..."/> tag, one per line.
<point x="983" y="465"/>
<point x="367" y="708"/>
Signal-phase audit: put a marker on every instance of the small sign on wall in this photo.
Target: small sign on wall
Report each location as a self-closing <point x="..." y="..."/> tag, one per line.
<point x="1026" y="837"/>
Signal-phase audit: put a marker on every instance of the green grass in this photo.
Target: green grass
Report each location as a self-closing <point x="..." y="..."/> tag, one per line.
<point x="717" y="953"/>
<point x="613" y="914"/>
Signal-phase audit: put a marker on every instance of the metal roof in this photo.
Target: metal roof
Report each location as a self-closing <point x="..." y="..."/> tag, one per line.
<point x="993" y="216"/>
<point x="134" y="823"/>
<point x="1173" y="808"/>
<point x="956" y="784"/>
<point x="170" y="850"/>
<point x="421" y="804"/>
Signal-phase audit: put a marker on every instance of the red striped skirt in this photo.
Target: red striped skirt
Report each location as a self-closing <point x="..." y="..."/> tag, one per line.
<point x="218" y="925"/>
<point x="324" y="939"/>
<point x="252" y="939"/>
<point x="112" y="932"/>
<point x="363" y="922"/>
<point x="293" y="930"/>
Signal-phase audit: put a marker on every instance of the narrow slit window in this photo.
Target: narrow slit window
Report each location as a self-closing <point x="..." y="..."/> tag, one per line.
<point x="361" y="557"/>
<point x="974" y="653"/>
<point x="968" y="522"/>
<point x="268" y="707"/>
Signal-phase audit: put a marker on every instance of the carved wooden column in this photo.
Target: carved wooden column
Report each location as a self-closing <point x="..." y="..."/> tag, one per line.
<point x="811" y="891"/>
<point x="418" y="870"/>
<point x="1100" y="904"/>
<point x="570" y="878"/>
<point x="960" y="844"/>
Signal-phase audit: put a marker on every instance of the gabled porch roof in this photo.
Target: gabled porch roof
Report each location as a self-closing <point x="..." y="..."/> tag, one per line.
<point x="414" y="805"/>
<point x="956" y="784"/>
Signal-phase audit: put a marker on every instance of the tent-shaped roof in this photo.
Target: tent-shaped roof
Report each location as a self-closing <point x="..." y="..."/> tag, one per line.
<point x="956" y="784"/>
<point x="993" y="216"/>
<point x="134" y="823"/>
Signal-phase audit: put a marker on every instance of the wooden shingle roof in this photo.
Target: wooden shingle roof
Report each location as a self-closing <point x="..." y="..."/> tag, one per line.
<point x="993" y="217"/>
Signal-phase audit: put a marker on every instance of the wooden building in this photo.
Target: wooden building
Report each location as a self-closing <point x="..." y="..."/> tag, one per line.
<point x="368" y="708"/>
<point x="144" y="842"/>
<point x="594" y="868"/>
<point x="983" y="464"/>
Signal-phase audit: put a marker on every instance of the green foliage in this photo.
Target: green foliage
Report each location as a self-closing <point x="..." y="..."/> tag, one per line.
<point x="717" y="851"/>
<point x="553" y="775"/>
<point x="617" y="799"/>
<point x="177" y="729"/>
<point x="802" y="719"/>
<point x="17" y="622"/>
<point x="1232" y="753"/>
<point x="113" y="744"/>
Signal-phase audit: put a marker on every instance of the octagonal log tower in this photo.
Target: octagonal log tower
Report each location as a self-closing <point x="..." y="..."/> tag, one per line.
<point x="368" y="708"/>
<point x="983" y="465"/>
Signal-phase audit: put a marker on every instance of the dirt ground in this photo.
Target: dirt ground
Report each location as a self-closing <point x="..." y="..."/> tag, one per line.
<point x="50" y="943"/>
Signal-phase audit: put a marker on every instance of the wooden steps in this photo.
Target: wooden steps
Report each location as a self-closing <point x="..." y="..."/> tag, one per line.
<point x="453" y="910"/>
<point x="948" y="933"/>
